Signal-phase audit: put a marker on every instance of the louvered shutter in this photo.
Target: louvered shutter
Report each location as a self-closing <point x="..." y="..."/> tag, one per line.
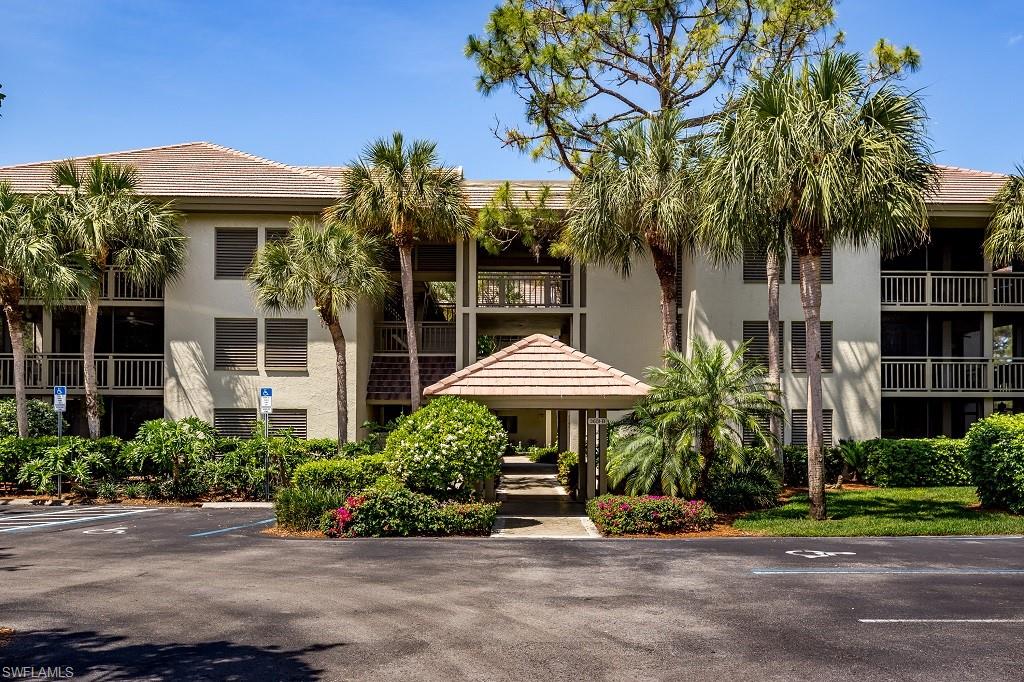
<point x="233" y="252"/>
<point x="235" y="422"/>
<point x="276" y="234"/>
<point x="749" y="438"/>
<point x="234" y="342"/>
<point x="285" y="420"/>
<point x="286" y="344"/>
<point x="826" y="266"/>
<point x="754" y="265"/>
<point x="798" y="343"/>
<point x="799" y="428"/>
<point x="756" y="332"/>
<point x="435" y="258"/>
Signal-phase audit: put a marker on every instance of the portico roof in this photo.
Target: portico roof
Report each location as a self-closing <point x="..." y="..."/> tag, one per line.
<point x="543" y="373"/>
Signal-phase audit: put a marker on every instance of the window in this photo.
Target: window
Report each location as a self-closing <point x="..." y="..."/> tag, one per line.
<point x="277" y="234"/>
<point x="234" y="344"/>
<point x="286" y="344"/>
<point x="799" y="428"/>
<point x="754" y="264"/>
<point x="285" y="420"/>
<point x="509" y="423"/>
<point x="798" y="344"/>
<point x="235" y="422"/>
<point x="757" y="334"/>
<point x="826" y="266"/>
<point x="234" y="250"/>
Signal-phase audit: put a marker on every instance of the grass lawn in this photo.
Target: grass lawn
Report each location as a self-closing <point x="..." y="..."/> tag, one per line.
<point x="885" y="511"/>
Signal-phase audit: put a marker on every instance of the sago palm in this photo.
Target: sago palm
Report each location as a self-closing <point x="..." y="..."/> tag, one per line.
<point x="847" y="161"/>
<point x="334" y="267"/>
<point x="102" y="216"/>
<point x="1004" y="242"/>
<point x="402" y="191"/>
<point x="635" y="198"/>
<point x="32" y="266"/>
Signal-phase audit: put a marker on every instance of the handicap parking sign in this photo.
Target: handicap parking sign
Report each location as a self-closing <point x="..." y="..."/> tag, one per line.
<point x="266" y="400"/>
<point x="60" y="398"/>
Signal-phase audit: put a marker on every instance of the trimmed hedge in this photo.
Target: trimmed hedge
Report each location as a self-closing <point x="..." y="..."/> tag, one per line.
<point x="995" y="451"/>
<point x="568" y="471"/>
<point x="912" y="462"/>
<point x="795" y="465"/>
<point x="302" y="508"/>
<point x="42" y="420"/>
<point x="340" y="473"/>
<point x="649" y="514"/>
<point x="753" y="484"/>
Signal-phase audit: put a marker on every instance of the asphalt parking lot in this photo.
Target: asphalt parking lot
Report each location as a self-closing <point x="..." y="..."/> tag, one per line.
<point x="184" y="593"/>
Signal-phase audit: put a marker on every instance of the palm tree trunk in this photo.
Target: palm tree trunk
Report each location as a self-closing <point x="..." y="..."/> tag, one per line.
<point x="810" y="299"/>
<point x="341" y="376"/>
<point x="92" y="398"/>
<point x="665" y="267"/>
<point x="773" y="268"/>
<point x="706" y="447"/>
<point x="16" y="329"/>
<point x="405" y="264"/>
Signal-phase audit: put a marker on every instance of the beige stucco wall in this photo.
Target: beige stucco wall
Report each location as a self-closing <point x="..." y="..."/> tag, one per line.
<point x="193" y="387"/>
<point x="624" y="318"/>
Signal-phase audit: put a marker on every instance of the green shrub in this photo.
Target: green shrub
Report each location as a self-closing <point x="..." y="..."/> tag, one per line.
<point x="42" y="420"/>
<point x="302" y="508"/>
<point x="649" y="514"/>
<point x="345" y="474"/>
<point x="179" y="451"/>
<point x="753" y="484"/>
<point x="81" y="463"/>
<point x="909" y="462"/>
<point x="242" y="470"/>
<point x="568" y="470"/>
<point x="16" y="452"/>
<point x="546" y="455"/>
<point x="446" y="447"/>
<point x="995" y="451"/>
<point x="466" y="518"/>
<point x="795" y="465"/>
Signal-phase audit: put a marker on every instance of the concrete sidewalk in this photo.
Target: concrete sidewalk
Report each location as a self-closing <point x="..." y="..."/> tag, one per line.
<point x="534" y="505"/>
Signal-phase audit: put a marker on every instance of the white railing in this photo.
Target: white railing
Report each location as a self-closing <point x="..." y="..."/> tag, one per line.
<point x="954" y="375"/>
<point x="117" y="286"/>
<point x="432" y="338"/>
<point x="952" y="288"/>
<point x="519" y="289"/>
<point x="114" y="371"/>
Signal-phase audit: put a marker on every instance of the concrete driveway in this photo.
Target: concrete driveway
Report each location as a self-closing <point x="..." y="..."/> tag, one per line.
<point x="201" y="594"/>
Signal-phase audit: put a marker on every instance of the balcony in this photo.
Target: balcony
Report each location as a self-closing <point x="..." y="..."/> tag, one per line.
<point x="114" y="372"/>
<point x="523" y="289"/>
<point x="116" y="286"/>
<point x="952" y="375"/>
<point x="432" y="338"/>
<point x="958" y="289"/>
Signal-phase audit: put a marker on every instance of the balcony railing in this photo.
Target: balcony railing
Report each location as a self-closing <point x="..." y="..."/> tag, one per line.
<point x="536" y="289"/>
<point x="432" y="338"/>
<point x="918" y="288"/>
<point x="114" y="371"/>
<point x="955" y="375"/>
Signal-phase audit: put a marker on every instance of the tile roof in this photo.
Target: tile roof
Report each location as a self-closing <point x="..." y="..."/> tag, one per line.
<point x="966" y="186"/>
<point x="540" y="367"/>
<point x="525" y="193"/>
<point x="195" y="169"/>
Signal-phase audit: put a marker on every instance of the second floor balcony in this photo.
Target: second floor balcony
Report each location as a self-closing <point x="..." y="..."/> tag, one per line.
<point x="523" y="289"/>
<point x="959" y="289"/>
<point x="952" y="375"/>
<point x="114" y="371"/>
<point x="432" y="338"/>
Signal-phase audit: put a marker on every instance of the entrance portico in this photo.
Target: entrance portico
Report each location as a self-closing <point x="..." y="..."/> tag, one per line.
<point x="540" y="372"/>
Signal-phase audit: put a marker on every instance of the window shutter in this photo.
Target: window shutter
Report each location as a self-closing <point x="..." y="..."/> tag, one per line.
<point x="235" y="422"/>
<point x="755" y="263"/>
<point x="435" y="257"/>
<point x="756" y="333"/>
<point x="284" y="420"/>
<point x="277" y="234"/>
<point x="234" y="342"/>
<point x="798" y="344"/>
<point x="234" y="251"/>
<point x="286" y="344"/>
<point x="749" y="439"/>
<point x="826" y="266"/>
<point x="799" y="428"/>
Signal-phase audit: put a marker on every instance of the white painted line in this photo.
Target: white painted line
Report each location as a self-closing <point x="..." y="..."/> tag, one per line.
<point x="218" y="531"/>
<point x="816" y="553"/>
<point x="29" y="524"/>
<point x="941" y="620"/>
<point x="887" y="571"/>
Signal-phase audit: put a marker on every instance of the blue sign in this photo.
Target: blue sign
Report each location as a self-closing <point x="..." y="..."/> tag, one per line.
<point x="266" y="400"/>
<point x="264" y="392"/>
<point x="60" y="398"/>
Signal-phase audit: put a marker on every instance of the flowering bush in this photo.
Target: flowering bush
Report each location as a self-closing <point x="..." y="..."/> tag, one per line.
<point x="649" y="514"/>
<point x="445" y="447"/>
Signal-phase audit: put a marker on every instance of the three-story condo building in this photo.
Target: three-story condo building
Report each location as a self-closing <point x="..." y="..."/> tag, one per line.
<point x="922" y="344"/>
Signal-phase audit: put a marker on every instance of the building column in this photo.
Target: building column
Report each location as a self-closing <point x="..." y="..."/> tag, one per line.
<point x="578" y="438"/>
<point x="602" y="453"/>
<point x="988" y="351"/>
<point x="593" y="451"/>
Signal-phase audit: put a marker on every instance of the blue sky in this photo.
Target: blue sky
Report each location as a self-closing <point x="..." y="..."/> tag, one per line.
<point x="309" y="82"/>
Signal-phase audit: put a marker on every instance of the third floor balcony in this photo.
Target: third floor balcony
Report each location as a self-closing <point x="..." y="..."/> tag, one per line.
<point x="523" y="289"/>
<point x="954" y="289"/>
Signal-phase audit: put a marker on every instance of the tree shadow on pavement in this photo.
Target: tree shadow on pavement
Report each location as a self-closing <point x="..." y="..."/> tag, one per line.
<point x="109" y="657"/>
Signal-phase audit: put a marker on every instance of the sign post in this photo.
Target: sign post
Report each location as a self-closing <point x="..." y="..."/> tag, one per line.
<point x="60" y="406"/>
<point x="266" y="407"/>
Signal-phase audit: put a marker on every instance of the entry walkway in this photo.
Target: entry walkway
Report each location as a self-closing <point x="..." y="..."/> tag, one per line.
<point x="534" y="505"/>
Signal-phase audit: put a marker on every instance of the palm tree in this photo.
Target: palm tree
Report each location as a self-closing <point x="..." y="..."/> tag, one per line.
<point x="693" y="418"/>
<point x="847" y="161"/>
<point x="1004" y="242"/>
<point x="104" y="218"/>
<point x="335" y="267"/>
<point x="635" y="197"/>
<point x="402" y="191"/>
<point x="32" y="266"/>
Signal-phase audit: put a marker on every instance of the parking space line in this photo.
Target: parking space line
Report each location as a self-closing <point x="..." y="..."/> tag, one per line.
<point x="887" y="571"/>
<point x="49" y="520"/>
<point x="218" y="531"/>
<point x="941" y="620"/>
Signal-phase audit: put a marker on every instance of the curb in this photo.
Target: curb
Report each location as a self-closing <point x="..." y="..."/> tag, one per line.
<point x="237" y="505"/>
<point x="21" y="501"/>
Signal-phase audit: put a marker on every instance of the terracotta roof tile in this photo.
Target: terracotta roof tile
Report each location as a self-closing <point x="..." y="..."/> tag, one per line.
<point x="966" y="186"/>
